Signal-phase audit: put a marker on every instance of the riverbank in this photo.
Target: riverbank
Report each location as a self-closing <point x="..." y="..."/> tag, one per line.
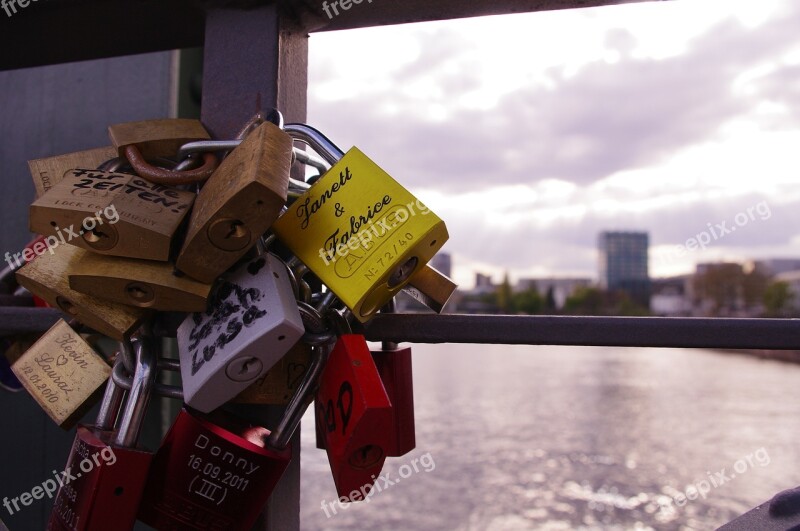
<point x="788" y="356"/>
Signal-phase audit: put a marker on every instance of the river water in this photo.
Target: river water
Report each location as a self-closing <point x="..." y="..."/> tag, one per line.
<point x="552" y="438"/>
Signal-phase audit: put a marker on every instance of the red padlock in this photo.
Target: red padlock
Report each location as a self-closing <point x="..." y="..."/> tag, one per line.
<point x="355" y="417"/>
<point x="105" y="473"/>
<point x="216" y="472"/>
<point x="394" y="366"/>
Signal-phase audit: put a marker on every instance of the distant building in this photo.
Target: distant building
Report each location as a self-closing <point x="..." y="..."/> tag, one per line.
<point x="443" y="263"/>
<point x="623" y="264"/>
<point x="776" y="266"/>
<point x="671" y="296"/>
<point x="560" y="287"/>
<point x="793" y="279"/>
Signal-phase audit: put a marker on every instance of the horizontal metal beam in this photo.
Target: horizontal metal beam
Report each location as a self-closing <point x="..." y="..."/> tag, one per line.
<point x="383" y="13"/>
<point x="19" y="320"/>
<point x="60" y="31"/>
<point x="773" y="334"/>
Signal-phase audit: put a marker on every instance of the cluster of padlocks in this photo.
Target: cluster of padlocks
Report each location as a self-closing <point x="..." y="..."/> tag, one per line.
<point x="264" y="275"/>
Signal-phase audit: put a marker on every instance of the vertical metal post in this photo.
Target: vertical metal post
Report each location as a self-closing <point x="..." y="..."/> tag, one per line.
<point x="255" y="60"/>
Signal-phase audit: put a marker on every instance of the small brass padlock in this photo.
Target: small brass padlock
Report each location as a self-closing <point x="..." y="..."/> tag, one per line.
<point x="47" y="277"/>
<point x="63" y="374"/>
<point x="238" y="203"/>
<point x="278" y="385"/>
<point x="140" y="283"/>
<point x="112" y="213"/>
<point x="48" y="172"/>
<point x="156" y="138"/>
<point x="431" y="287"/>
<point x="361" y="233"/>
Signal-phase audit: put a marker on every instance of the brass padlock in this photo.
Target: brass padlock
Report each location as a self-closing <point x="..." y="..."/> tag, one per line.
<point x="237" y="204"/>
<point x="47" y="277"/>
<point x="431" y="287"/>
<point x="140" y="283"/>
<point x="112" y="213"/>
<point x="278" y="385"/>
<point x="361" y="233"/>
<point x="156" y="138"/>
<point x="48" y="172"/>
<point x="63" y="374"/>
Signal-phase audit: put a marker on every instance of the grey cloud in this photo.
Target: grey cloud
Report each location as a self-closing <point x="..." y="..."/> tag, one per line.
<point x="606" y="118"/>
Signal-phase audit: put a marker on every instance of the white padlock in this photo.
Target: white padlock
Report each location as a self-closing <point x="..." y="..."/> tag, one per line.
<point x="251" y="324"/>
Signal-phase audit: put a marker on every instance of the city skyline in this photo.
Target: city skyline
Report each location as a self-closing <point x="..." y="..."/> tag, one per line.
<point x="674" y="118"/>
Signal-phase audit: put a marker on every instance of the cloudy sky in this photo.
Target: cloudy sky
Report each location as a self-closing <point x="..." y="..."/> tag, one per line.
<point x="529" y="134"/>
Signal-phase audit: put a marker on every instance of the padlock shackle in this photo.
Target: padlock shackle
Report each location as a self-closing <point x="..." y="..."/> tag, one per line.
<point x="144" y="378"/>
<point x="112" y="400"/>
<point x="280" y="437"/>
<point x="314" y="138"/>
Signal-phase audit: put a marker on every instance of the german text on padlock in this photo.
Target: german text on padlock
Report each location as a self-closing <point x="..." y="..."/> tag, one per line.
<point x="238" y="203"/>
<point x="355" y="415"/>
<point x="250" y="325"/>
<point x="111" y="213"/>
<point x="63" y="374"/>
<point x="361" y="233"/>
<point x="47" y="277"/>
<point x="211" y="473"/>
<point x="141" y="283"/>
<point x="49" y="171"/>
<point x="106" y="471"/>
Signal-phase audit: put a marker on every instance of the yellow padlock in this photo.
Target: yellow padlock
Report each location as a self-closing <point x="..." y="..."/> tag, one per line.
<point x="111" y="213"/>
<point x="361" y="233"/>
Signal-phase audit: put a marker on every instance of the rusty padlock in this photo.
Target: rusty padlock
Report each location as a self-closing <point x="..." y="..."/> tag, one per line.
<point x="62" y="373"/>
<point x="237" y="204"/>
<point x="141" y="283"/>
<point x="105" y="494"/>
<point x="355" y="414"/>
<point x="216" y="472"/>
<point x="358" y="229"/>
<point x="47" y="277"/>
<point x="141" y="142"/>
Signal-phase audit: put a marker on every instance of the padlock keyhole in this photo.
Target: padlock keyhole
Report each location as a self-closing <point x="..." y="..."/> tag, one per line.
<point x="67" y="306"/>
<point x="95" y="235"/>
<point x="366" y="456"/>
